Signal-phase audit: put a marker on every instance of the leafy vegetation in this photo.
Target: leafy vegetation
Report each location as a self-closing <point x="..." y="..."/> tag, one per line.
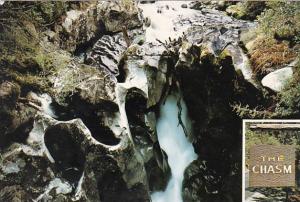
<point x="281" y="20"/>
<point x="247" y="112"/>
<point x="22" y="58"/>
<point x="270" y="137"/>
<point x="289" y="98"/>
<point x="276" y="44"/>
<point x="247" y="10"/>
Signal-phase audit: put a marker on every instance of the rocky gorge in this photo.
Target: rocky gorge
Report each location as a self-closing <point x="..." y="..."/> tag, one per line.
<point x="85" y="98"/>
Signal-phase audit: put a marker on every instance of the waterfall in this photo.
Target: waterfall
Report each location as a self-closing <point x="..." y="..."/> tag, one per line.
<point x="174" y="142"/>
<point x="164" y="18"/>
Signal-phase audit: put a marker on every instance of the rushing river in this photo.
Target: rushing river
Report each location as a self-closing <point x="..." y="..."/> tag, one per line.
<point x="163" y="16"/>
<point x="174" y="142"/>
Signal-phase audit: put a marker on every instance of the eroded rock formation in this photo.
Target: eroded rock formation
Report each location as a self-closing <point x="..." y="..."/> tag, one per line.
<point x="94" y="138"/>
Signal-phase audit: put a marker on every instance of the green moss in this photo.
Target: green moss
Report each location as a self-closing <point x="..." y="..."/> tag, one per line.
<point x="16" y="40"/>
<point x="39" y="13"/>
<point x="224" y="54"/>
<point x="31" y="82"/>
<point x="32" y="69"/>
<point x="281" y="20"/>
<point x="236" y="11"/>
<point x="25" y="58"/>
<point x="206" y="56"/>
<point x="247" y="10"/>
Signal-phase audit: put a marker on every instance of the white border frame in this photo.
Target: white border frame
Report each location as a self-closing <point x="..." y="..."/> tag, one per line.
<point x="244" y="144"/>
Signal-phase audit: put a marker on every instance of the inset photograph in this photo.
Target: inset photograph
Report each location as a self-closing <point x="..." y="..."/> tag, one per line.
<point x="271" y="151"/>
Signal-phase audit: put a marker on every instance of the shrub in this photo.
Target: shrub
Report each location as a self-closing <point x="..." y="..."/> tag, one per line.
<point x="248" y="10"/>
<point x="289" y="98"/>
<point x="281" y="20"/>
<point x="246" y="112"/>
<point x="39" y="13"/>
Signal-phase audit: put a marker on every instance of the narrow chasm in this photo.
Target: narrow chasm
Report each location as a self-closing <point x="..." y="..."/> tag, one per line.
<point x="172" y="125"/>
<point x="135" y="107"/>
<point x="66" y="152"/>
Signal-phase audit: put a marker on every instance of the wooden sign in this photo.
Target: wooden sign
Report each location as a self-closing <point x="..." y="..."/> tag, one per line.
<point x="272" y="166"/>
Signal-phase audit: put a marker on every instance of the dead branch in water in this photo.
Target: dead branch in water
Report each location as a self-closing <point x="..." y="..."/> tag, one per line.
<point x="179" y="118"/>
<point x="30" y="103"/>
<point x="126" y="37"/>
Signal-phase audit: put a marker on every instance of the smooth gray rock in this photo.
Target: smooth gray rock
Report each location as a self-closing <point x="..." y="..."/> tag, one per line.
<point x="277" y="80"/>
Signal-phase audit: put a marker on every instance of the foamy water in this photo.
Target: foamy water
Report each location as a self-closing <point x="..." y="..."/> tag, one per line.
<point x="163" y="15"/>
<point x="174" y="142"/>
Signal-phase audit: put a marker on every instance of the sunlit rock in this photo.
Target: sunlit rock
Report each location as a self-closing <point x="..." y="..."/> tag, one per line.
<point x="80" y="27"/>
<point x="119" y="15"/>
<point x="277" y="80"/>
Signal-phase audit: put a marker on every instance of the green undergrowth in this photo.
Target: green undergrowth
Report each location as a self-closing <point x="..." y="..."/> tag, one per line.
<point x="276" y="45"/>
<point x="246" y="10"/>
<point x="22" y="58"/>
<point x="289" y="98"/>
<point x="281" y="21"/>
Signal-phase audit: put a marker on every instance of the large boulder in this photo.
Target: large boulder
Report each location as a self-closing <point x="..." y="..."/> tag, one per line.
<point x="80" y="27"/>
<point x="119" y="15"/>
<point x="16" y="118"/>
<point x="64" y="160"/>
<point x="109" y="50"/>
<point x="277" y="80"/>
<point x="86" y="84"/>
<point x="19" y="166"/>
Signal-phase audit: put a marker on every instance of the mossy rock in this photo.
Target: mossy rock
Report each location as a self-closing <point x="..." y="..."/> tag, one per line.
<point x="236" y="11"/>
<point x="224" y="55"/>
<point x="246" y="10"/>
<point x="206" y="56"/>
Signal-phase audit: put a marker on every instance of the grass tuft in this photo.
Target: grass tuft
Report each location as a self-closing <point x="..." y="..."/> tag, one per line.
<point x="269" y="54"/>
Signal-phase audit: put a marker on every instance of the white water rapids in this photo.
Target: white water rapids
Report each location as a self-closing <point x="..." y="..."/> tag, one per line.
<point x="163" y="16"/>
<point x="174" y="142"/>
<point x="172" y="139"/>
